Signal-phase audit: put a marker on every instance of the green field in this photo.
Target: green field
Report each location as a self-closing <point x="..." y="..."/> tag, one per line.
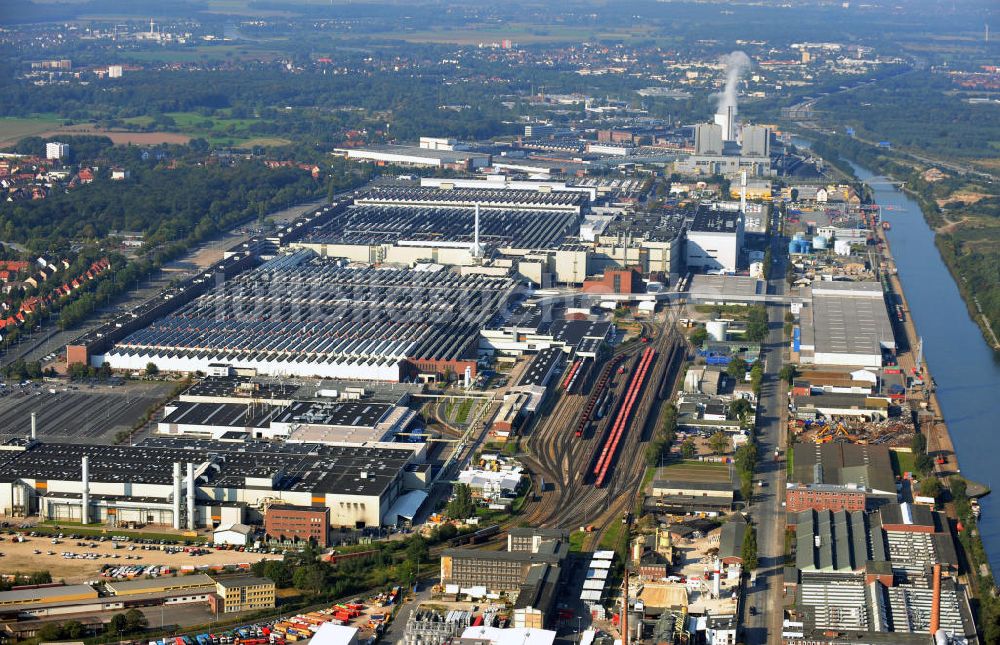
<point x="696" y="471"/>
<point x="217" y="130"/>
<point x="13" y="129"/>
<point x="902" y="462"/>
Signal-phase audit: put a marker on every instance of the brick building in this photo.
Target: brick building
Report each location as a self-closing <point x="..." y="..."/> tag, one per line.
<point x="289" y="523"/>
<point x="824" y="497"/>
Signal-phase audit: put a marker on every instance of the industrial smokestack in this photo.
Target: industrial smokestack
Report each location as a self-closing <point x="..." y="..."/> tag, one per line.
<point x="725" y="114"/>
<point x="177" y="495"/>
<point x="34" y="425"/>
<point x="743" y="192"/>
<point x="936" y="600"/>
<point x="475" y="249"/>
<point x="85" y="497"/>
<point x="190" y="496"/>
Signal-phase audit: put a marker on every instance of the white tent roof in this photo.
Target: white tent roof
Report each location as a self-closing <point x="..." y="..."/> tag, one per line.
<point x="406" y="506"/>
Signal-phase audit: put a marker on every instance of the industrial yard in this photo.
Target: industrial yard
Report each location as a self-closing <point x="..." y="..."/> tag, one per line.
<point x="84" y="563"/>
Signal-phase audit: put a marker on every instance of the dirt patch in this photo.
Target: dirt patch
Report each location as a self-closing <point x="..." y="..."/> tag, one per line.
<point x="966" y="197"/>
<point x="122" y="137"/>
<point x="22" y="557"/>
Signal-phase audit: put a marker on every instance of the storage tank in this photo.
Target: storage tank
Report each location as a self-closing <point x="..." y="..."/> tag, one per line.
<point x="820" y="242"/>
<point x="717" y="330"/>
<point x="842" y="247"/>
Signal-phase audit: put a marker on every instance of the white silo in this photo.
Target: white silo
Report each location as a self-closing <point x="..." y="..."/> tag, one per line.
<point x="717" y="330"/>
<point x="842" y="247"/>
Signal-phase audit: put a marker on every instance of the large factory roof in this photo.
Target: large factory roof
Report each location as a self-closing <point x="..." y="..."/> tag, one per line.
<point x="844" y="464"/>
<point x="487" y="198"/>
<point x="371" y="224"/>
<point x="850" y="318"/>
<point x="302" y="308"/>
<point x="541" y="366"/>
<point x="838" y="541"/>
<point x="294" y="467"/>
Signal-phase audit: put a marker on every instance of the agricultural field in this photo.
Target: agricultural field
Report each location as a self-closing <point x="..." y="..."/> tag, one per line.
<point x="13" y="130"/>
<point x="224" y="131"/>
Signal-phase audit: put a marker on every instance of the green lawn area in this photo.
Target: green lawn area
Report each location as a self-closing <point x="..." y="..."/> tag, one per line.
<point x="576" y="539"/>
<point x="464" y="408"/>
<point x="610" y="539"/>
<point x="701" y="471"/>
<point x="48" y="527"/>
<point x="901" y="462"/>
<point x="12" y="129"/>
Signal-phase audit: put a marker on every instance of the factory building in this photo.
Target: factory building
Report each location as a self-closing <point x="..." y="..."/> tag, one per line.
<point x="431" y="153"/>
<point x="327" y="422"/>
<point x="528" y="572"/>
<point x="714" y="240"/>
<point x="845" y="323"/>
<point x="199" y="484"/>
<point x="301" y="315"/>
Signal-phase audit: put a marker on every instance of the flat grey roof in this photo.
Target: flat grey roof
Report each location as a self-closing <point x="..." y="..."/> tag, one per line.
<point x="846" y="322"/>
<point x="120" y="587"/>
<point x="43" y="594"/>
<point x="724" y="286"/>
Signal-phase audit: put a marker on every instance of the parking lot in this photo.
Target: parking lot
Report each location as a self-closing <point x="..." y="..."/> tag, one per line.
<point x="81" y="560"/>
<point x="77" y="413"/>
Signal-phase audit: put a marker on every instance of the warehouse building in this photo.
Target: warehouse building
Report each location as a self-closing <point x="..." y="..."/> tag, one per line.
<point x="846" y="323"/>
<point x="198" y="483"/>
<point x="848" y="466"/>
<point x="301" y="315"/>
<point x="32" y="598"/>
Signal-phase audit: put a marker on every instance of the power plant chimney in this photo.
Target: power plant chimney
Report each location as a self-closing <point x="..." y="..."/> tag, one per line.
<point x="85" y="497"/>
<point x="190" y="496"/>
<point x="34" y="425"/>
<point x="177" y="495"/>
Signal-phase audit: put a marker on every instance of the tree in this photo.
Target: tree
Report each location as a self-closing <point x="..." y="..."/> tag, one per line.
<point x="152" y="369"/>
<point x="719" y="443"/>
<point x="72" y="629"/>
<point x="445" y="532"/>
<point x="310" y="578"/>
<point x="135" y="621"/>
<point x="749" y="551"/>
<point x="698" y="336"/>
<point x="737" y="368"/>
<point x="757" y="324"/>
<point x="461" y="505"/>
<point x="688" y="449"/>
<point x="118" y="624"/>
<point x="788" y="373"/>
<point x="756" y="377"/>
<point x="50" y="632"/>
<point x="416" y="549"/>
<point x="740" y="409"/>
<point x="930" y="487"/>
<point x="919" y="443"/>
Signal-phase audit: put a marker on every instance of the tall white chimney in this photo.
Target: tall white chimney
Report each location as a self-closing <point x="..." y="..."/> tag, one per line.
<point x="475" y="249"/>
<point x="177" y="495"/>
<point x="34" y="425"/>
<point x="716" y="584"/>
<point x="743" y="192"/>
<point x="190" y="496"/>
<point x="85" y="497"/>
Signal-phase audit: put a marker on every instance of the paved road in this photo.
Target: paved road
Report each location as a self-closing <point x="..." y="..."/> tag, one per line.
<point x="766" y="511"/>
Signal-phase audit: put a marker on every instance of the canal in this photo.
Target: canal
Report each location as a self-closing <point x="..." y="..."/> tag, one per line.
<point x="965" y="368"/>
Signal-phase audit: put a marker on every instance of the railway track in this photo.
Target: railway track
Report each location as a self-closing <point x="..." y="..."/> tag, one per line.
<point x="564" y="461"/>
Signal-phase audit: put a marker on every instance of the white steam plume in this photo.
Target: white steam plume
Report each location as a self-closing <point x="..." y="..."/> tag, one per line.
<point x="736" y="64"/>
